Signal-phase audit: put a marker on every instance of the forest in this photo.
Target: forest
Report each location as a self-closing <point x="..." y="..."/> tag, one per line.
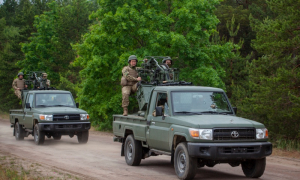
<point x="249" y="48"/>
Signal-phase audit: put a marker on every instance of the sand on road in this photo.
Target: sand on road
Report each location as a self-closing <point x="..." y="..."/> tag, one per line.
<point x="100" y="159"/>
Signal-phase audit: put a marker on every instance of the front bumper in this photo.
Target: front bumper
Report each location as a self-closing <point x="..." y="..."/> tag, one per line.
<point x="230" y="151"/>
<point x="65" y="126"/>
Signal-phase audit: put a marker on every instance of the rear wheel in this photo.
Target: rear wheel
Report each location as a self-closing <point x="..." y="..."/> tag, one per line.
<point x="133" y="151"/>
<point x="83" y="137"/>
<point x="57" y="137"/>
<point x="185" y="166"/>
<point x="254" y="168"/>
<point x="39" y="136"/>
<point x="19" y="132"/>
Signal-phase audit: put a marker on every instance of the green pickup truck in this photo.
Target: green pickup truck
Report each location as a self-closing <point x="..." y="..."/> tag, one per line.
<point x="196" y="126"/>
<point x="50" y="113"/>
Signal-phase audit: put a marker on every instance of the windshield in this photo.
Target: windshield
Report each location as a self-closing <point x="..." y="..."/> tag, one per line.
<point x="55" y="99"/>
<point x="200" y="103"/>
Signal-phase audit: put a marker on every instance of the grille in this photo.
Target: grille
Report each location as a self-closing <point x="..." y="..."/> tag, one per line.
<point x="230" y="150"/>
<point x="65" y="117"/>
<point x="225" y="134"/>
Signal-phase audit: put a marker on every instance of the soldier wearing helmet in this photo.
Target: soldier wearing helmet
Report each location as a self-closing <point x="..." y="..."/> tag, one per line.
<point x="19" y="84"/>
<point x="129" y="82"/>
<point x="44" y="81"/>
<point x="167" y="61"/>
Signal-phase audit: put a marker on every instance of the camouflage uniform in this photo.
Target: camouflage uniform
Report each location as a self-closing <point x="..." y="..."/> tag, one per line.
<point x="130" y="74"/>
<point x="129" y="83"/>
<point x="47" y="81"/>
<point x="18" y="83"/>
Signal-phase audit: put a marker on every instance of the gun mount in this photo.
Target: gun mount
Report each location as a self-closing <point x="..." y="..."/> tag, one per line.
<point x="153" y="74"/>
<point x="36" y="81"/>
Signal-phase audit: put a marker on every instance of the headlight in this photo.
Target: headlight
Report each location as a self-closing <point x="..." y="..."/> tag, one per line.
<point x="262" y="133"/>
<point x="84" y="116"/>
<point x="46" y="117"/>
<point x="205" y="134"/>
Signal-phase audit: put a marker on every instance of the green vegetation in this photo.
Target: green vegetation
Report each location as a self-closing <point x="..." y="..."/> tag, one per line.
<point x="249" y="48"/>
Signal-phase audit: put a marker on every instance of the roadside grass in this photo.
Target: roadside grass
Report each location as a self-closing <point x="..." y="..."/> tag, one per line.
<point x="4" y="115"/>
<point x="287" y="144"/>
<point x="17" y="169"/>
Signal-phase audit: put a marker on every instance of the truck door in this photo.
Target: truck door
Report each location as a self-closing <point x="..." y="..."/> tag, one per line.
<point x="158" y="131"/>
<point x="28" y="112"/>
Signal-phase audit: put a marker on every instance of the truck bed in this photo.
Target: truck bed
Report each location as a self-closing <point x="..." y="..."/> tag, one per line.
<point x="134" y="123"/>
<point x="13" y="113"/>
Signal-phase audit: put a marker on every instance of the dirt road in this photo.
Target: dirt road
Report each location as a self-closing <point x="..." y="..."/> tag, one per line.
<point x="100" y="159"/>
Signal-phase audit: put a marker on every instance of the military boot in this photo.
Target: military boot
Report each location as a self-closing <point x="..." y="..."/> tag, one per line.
<point x="125" y="111"/>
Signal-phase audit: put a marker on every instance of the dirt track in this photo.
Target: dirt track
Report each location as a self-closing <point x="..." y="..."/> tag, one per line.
<point x="100" y="159"/>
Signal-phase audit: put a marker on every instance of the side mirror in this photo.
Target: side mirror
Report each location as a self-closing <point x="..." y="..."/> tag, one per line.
<point x="158" y="111"/>
<point x="27" y="105"/>
<point x="234" y="109"/>
<point x="77" y="105"/>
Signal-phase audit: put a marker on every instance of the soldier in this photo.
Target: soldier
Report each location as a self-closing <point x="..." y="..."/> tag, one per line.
<point x="45" y="82"/>
<point x="167" y="61"/>
<point x="19" y="84"/>
<point x="129" y="82"/>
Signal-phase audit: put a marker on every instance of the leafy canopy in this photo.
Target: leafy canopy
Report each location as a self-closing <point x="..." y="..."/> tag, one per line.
<point x="178" y="28"/>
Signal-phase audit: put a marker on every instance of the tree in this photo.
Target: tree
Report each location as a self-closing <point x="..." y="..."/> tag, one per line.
<point x="180" y="29"/>
<point x="275" y="77"/>
<point x="9" y="37"/>
<point x="50" y="48"/>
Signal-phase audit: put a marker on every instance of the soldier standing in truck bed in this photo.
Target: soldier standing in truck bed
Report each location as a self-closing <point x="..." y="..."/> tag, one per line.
<point x="129" y="82"/>
<point x="19" y="84"/>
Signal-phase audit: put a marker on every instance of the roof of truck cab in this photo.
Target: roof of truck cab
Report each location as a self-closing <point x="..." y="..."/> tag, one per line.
<point x="187" y="88"/>
<point x="47" y="91"/>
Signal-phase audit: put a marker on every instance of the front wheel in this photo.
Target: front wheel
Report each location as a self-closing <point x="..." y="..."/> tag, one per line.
<point x="19" y="132"/>
<point x="39" y="136"/>
<point x="133" y="151"/>
<point x="254" y="168"/>
<point x="185" y="166"/>
<point x="83" y="137"/>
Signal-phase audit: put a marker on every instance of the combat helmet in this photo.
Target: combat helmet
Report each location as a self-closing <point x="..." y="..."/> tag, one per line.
<point x="132" y="57"/>
<point x="20" y="74"/>
<point x="167" y="58"/>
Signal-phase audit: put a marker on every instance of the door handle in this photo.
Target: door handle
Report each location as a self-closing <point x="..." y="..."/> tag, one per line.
<point x="153" y="123"/>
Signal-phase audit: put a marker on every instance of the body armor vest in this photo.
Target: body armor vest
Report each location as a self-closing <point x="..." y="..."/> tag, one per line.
<point x="133" y="73"/>
<point x="21" y="83"/>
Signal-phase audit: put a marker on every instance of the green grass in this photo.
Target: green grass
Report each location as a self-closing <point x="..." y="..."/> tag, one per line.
<point x="287" y="144"/>
<point x="11" y="174"/>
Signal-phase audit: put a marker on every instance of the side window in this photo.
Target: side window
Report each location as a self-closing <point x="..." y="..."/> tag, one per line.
<point x="162" y="100"/>
<point x="30" y="99"/>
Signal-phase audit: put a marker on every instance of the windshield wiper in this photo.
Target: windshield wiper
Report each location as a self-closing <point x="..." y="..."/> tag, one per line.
<point x="41" y="105"/>
<point x="59" y="105"/>
<point x="187" y="112"/>
<point x="214" y="112"/>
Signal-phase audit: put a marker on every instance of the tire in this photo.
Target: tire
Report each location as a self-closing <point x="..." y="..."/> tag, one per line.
<point x="133" y="151"/>
<point x="254" y="168"/>
<point x="19" y="132"/>
<point x="83" y="137"/>
<point x="185" y="166"/>
<point x="39" y="136"/>
<point x="57" y="137"/>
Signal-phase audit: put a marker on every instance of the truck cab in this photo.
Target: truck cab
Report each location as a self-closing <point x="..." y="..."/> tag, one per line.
<point x="50" y="113"/>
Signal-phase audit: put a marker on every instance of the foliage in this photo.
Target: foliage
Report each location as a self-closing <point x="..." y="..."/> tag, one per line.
<point x="50" y="48"/>
<point x="180" y="29"/>
<point x="275" y="77"/>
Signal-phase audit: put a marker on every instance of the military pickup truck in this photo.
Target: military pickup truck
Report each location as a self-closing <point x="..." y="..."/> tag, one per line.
<point x="196" y="126"/>
<point x="50" y="113"/>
